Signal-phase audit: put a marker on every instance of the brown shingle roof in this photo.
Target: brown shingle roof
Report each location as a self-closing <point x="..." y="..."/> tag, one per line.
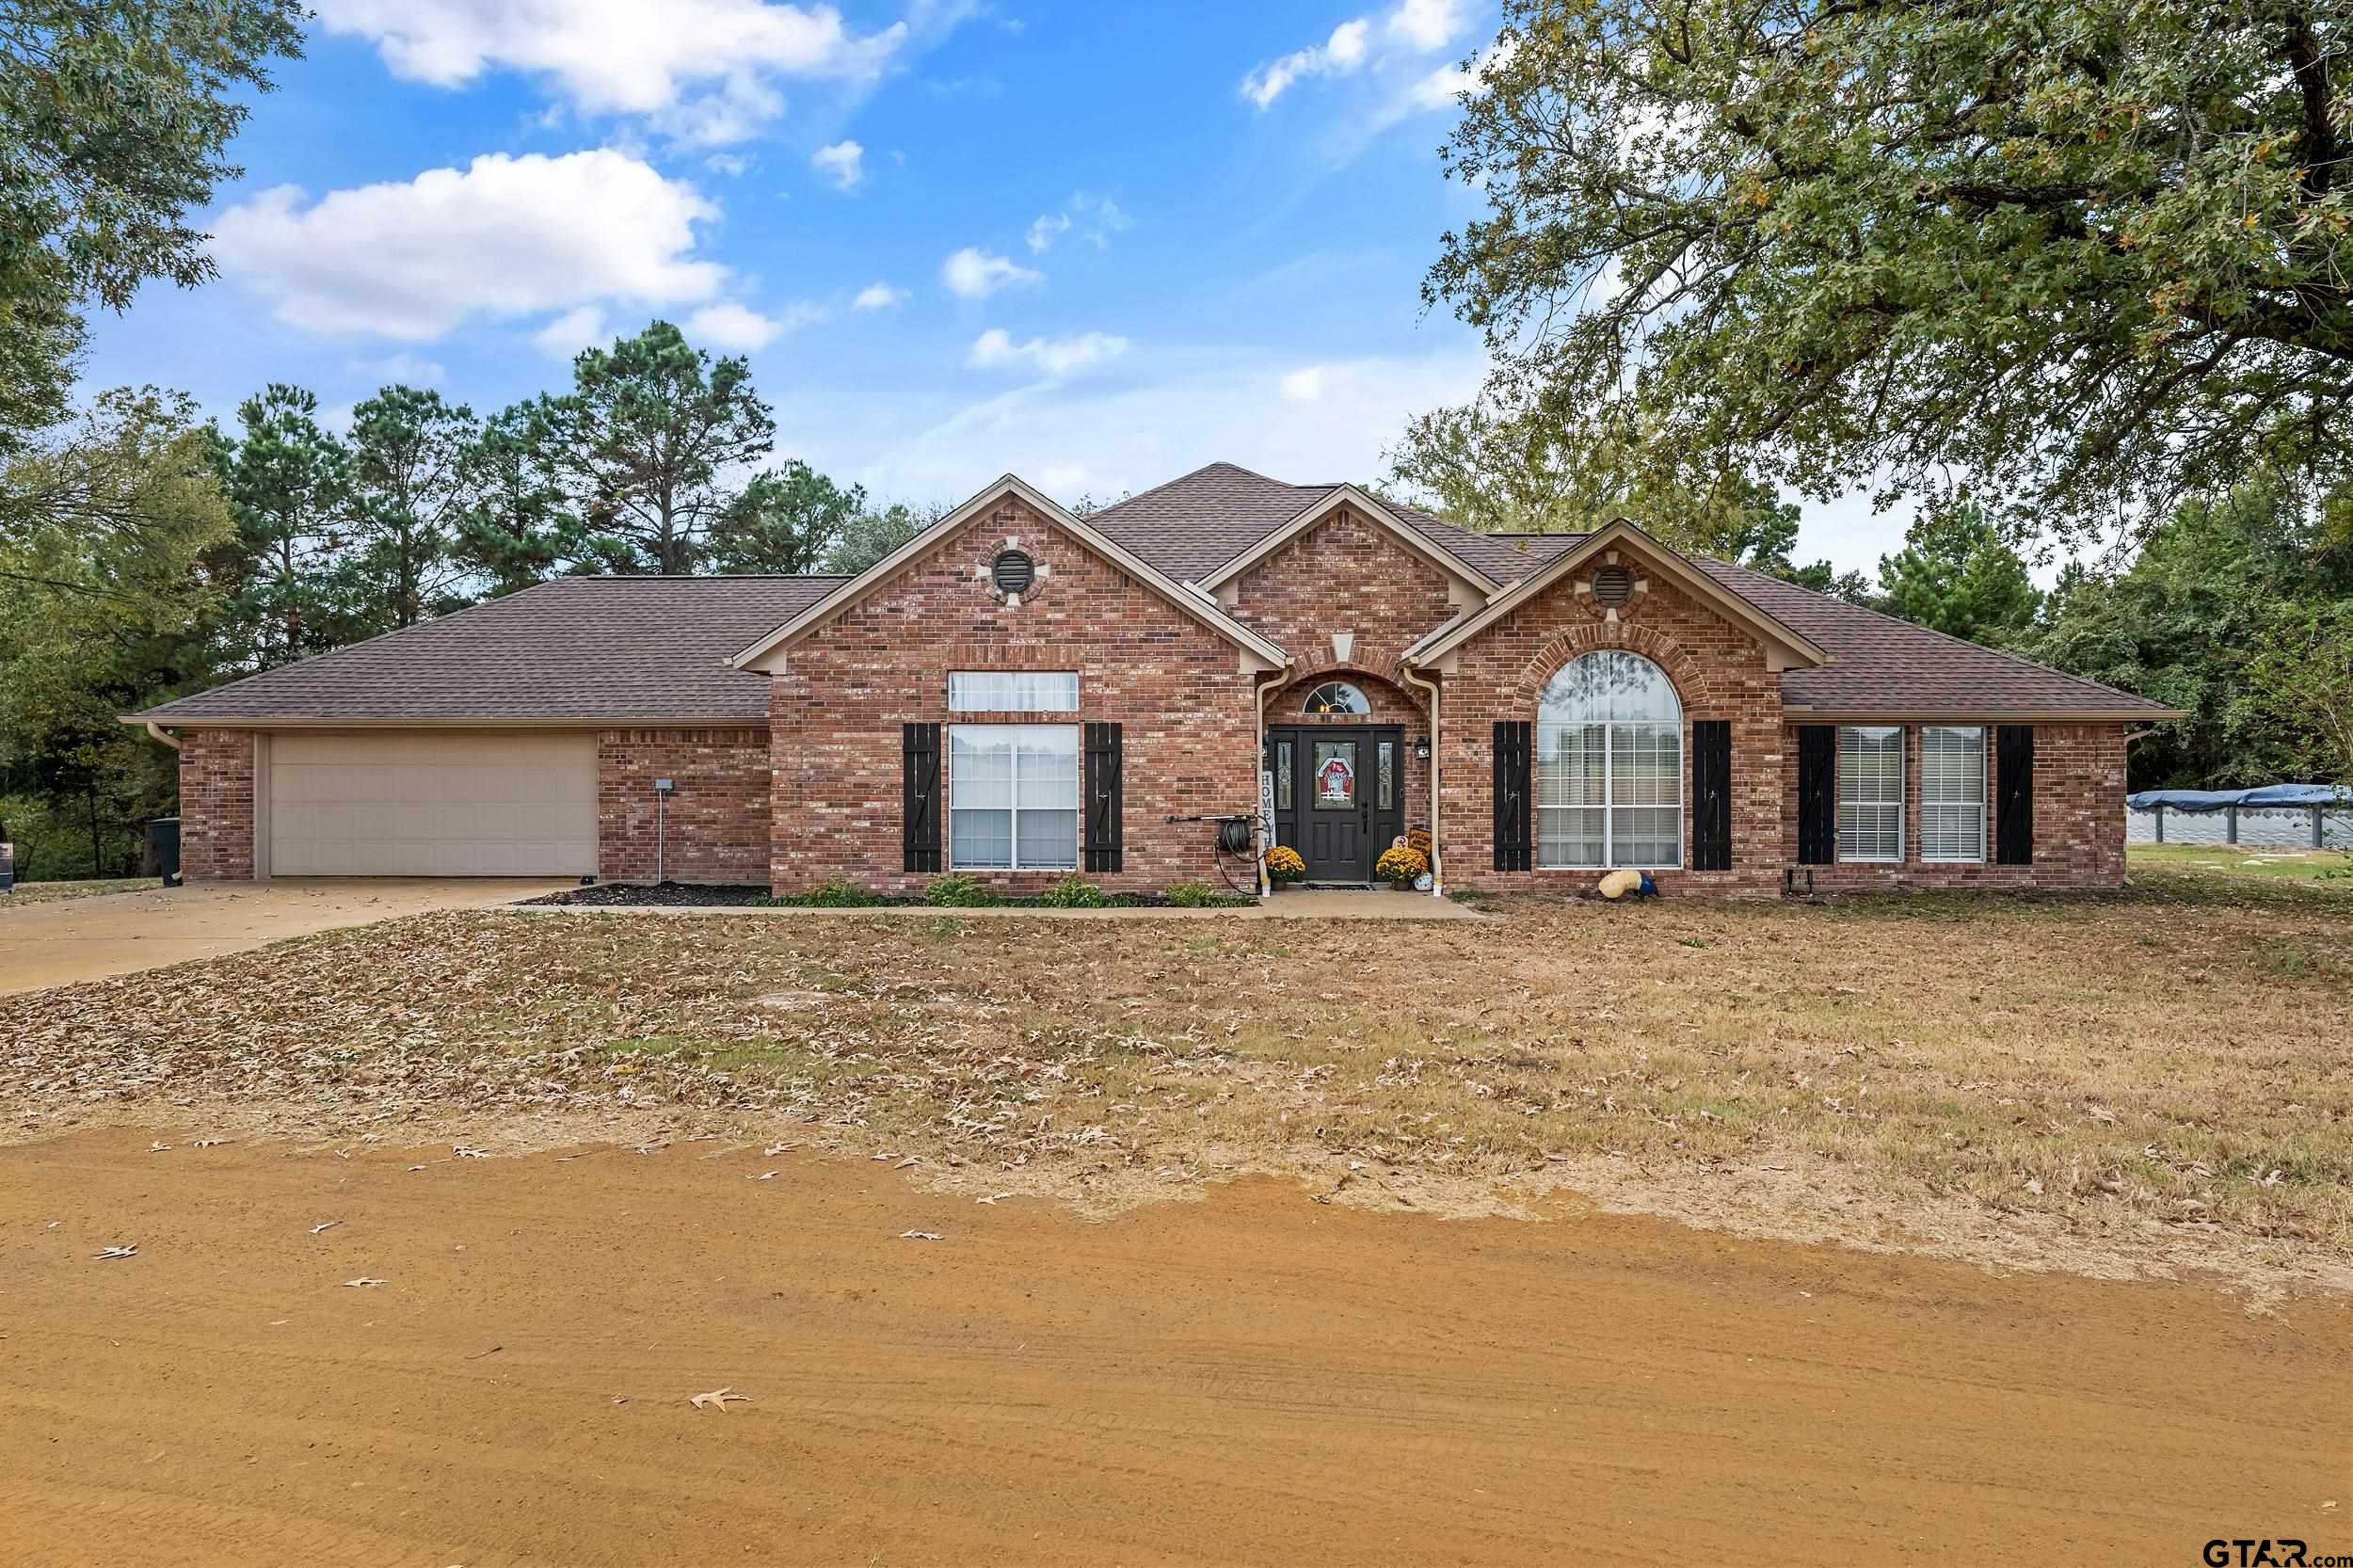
<point x="1194" y="524"/>
<point x="594" y="648"/>
<point x="1889" y="667"/>
<point x="576" y="648"/>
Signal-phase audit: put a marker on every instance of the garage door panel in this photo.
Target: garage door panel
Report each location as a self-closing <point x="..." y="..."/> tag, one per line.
<point x="431" y="805"/>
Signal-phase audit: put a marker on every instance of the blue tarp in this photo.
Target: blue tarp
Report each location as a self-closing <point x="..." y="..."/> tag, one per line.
<point x="2264" y="795"/>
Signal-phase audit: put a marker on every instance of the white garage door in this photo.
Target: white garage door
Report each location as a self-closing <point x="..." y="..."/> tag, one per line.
<point x="447" y="803"/>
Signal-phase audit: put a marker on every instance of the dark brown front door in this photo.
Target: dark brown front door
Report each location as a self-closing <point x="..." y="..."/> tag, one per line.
<point x="1339" y="795"/>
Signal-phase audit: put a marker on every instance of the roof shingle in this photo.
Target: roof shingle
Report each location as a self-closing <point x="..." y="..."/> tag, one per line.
<point x="575" y="648"/>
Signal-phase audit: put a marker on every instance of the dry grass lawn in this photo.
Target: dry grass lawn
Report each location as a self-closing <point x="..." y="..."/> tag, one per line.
<point x="54" y="893"/>
<point x="2160" y="1075"/>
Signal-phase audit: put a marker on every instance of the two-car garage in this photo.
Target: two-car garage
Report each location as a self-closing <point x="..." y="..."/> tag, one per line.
<point x="425" y="803"/>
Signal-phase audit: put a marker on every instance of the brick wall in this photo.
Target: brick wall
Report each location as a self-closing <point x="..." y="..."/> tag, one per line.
<point x="1346" y="575"/>
<point x="1718" y="672"/>
<point x="216" y="804"/>
<point x="2078" y="819"/>
<point x="714" y="826"/>
<point x="838" y="702"/>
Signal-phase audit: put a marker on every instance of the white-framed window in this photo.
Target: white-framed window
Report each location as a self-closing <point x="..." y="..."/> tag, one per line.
<point x="1013" y="798"/>
<point x="1336" y="696"/>
<point x="1952" y="793"/>
<point x="1610" y="766"/>
<point x="1871" y="792"/>
<point x="1013" y="691"/>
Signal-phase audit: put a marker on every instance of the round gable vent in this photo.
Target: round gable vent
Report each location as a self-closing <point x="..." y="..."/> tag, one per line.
<point x="1613" y="587"/>
<point x="1012" y="571"/>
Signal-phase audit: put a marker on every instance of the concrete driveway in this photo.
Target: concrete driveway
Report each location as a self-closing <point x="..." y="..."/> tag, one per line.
<point x="56" y="944"/>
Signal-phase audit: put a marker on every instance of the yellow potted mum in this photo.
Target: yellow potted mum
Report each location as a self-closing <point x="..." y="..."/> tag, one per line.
<point x="1283" y="865"/>
<point x="1401" y="864"/>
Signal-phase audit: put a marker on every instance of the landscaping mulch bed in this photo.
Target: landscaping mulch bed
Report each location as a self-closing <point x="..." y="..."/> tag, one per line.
<point x="669" y="895"/>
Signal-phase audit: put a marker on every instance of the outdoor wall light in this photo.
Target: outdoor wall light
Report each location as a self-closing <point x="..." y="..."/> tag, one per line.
<point x="1422" y="749"/>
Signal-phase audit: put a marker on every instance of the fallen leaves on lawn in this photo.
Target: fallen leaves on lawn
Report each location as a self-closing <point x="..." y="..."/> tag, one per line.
<point x="130" y="1250"/>
<point x="919" y="1236"/>
<point x="717" y="1398"/>
<point x="362" y="1283"/>
<point x="321" y="1230"/>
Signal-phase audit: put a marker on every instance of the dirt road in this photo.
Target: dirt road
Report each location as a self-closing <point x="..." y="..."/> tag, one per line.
<point x="1254" y="1378"/>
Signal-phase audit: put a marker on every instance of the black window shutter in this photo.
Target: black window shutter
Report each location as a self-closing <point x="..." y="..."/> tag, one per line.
<point x="1817" y="793"/>
<point x="1106" y="798"/>
<point x="1711" y="794"/>
<point x="2013" y="794"/>
<point x="920" y="803"/>
<point x="1515" y="848"/>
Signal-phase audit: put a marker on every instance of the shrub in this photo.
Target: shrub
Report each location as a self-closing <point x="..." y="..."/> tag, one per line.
<point x="1401" y="864"/>
<point x="839" y="893"/>
<point x="958" y="893"/>
<point x="1284" y="865"/>
<point x="1191" y="893"/>
<point x="1072" y="892"/>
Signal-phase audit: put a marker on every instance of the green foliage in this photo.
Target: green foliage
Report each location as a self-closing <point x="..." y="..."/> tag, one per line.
<point x="643" y="444"/>
<point x="872" y="535"/>
<point x="958" y="891"/>
<point x="407" y="497"/>
<point x="106" y="530"/>
<point x="1072" y="892"/>
<point x="287" y="483"/>
<point x="515" y="527"/>
<point x="2179" y="623"/>
<point x="2086" y="257"/>
<point x="2301" y="673"/>
<point x="839" y="893"/>
<point x="784" y="522"/>
<point x="114" y="118"/>
<point x="1956" y="574"/>
<point x="1191" y="893"/>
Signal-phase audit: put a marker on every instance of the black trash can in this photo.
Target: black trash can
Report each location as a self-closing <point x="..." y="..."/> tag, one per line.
<point x="163" y="848"/>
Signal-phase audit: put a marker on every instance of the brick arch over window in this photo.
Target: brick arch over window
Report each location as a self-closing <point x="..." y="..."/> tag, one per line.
<point x="1701" y="695"/>
<point x="1387" y="693"/>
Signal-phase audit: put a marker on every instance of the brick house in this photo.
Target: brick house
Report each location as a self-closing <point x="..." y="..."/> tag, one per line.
<point x="1019" y="693"/>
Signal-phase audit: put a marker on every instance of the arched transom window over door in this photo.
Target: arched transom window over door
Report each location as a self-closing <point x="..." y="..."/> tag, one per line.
<point x="1609" y="765"/>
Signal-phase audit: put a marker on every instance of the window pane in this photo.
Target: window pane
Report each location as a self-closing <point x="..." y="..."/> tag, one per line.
<point x="1336" y="696"/>
<point x="1645" y="835"/>
<point x="1609" y="685"/>
<point x="1013" y="796"/>
<point x="1952" y="794"/>
<point x="1389" y="774"/>
<point x="1282" y="775"/>
<point x="1645" y="765"/>
<point x="1013" y="692"/>
<point x="1871" y="792"/>
<point x="1569" y="836"/>
<point x="980" y="840"/>
<point x="1047" y="840"/>
<point x="1571" y="766"/>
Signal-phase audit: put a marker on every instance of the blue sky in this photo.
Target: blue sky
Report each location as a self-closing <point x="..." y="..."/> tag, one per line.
<point x="1096" y="244"/>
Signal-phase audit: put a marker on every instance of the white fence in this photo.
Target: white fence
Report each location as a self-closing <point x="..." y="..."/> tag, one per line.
<point x="2249" y="827"/>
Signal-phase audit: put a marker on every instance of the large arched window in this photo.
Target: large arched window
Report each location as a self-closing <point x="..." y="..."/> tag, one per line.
<point x="1609" y="765"/>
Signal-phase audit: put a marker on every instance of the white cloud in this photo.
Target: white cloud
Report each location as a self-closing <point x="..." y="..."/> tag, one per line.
<point x="1304" y="385"/>
<point x="504" y="237"/>
<point x="730" y="164"/>
<point x="1047" y="229"/>
<point x="843" y="163"/>
<point x="568" y="334"/>
<point x="406" y="370"/>
<point x="1163" y="418"/>
<point x="698" y="69"/>
<point x="1056" y="358"/>
<point x="732" y="326"/>
<point x="975" y="273"/>
<point x="879" y="297"/>
<point x="1338" y="55"/>
<point x="1096" y="217"/>
<point x="1423" y="25"/>
<point x="1412" y="27"/>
